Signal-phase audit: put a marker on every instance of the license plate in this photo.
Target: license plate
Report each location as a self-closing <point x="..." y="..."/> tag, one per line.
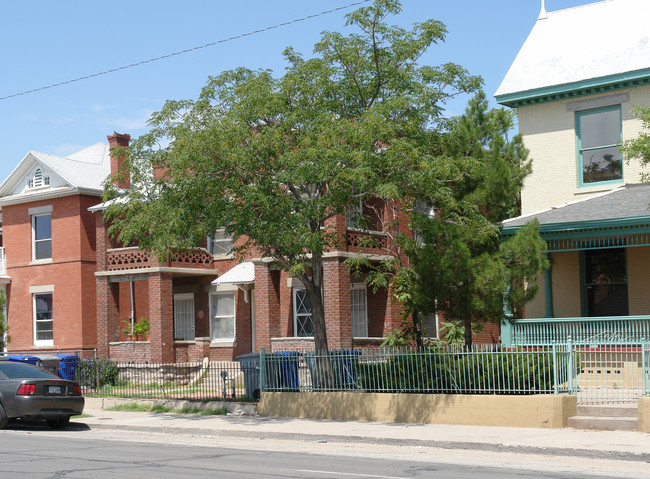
<point x="54" y="389"/>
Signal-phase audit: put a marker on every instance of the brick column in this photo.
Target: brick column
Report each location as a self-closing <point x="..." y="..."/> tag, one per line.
<point x="336" y="298"/>
<point x="102" y="241"/>
<point x="108" y="320"/>
<point x="267" y="305"/>
<point x="161" y="318"/>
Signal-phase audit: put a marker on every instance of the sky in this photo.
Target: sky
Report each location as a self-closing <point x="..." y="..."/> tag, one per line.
<point x="44" y="43"/>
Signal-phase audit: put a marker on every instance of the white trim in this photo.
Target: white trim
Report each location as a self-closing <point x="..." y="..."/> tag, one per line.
<point x="46" y="288"/>
<point x="40" y="210"/>
<point x="42" y="342"/>
<point x="192" y="326"/>
<point x="364" y="321"/>
<point x="34" y="240"/>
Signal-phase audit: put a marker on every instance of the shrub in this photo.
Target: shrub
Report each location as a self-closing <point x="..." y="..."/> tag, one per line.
<point x="95" y="372"/>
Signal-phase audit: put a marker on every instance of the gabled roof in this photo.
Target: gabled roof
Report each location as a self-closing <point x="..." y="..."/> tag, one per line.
<point x="84" y="171"/>
<point x="626" y="205"/>
<point x="594" y="48"/>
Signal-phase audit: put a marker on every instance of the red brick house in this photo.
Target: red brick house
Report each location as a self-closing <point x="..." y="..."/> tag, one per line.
<point x="70" y="286"/>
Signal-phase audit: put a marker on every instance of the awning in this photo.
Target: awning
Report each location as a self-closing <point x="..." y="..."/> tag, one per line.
<point x="243" y="273"/>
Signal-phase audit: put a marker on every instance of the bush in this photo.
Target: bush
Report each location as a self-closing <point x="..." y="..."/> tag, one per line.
<point x="94" y="370"/>
<point x="433" y="371"/>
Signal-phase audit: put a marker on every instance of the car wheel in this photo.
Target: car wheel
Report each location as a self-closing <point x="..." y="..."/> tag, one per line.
<point x="58" y="423"/>
<point x="3" y="417"/>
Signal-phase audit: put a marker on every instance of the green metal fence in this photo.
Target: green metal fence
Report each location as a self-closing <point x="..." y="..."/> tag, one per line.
<point x="486" y="369"/>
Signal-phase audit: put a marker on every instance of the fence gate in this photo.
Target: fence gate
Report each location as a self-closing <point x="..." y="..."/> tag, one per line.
<point x="611" y="374"/>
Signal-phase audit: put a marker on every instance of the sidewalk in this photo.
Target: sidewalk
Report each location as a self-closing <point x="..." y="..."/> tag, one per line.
<point x="626" y="445"/>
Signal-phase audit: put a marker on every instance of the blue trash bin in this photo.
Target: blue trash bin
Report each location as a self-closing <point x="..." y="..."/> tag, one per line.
<point x="68" y="366"/>
<point x="25" y="358"/>
<point x="282" y="371"/>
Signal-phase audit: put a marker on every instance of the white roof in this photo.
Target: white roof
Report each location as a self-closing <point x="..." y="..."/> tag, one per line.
<point x="592" y="41"/>
<point x="243" y="273"/>
<point x="85" y="170"/>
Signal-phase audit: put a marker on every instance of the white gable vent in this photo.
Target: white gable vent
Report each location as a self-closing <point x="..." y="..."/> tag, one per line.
<point x="38" y="180"/>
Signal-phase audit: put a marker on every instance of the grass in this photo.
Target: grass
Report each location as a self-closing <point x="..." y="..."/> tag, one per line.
<point x="139" y="407"/>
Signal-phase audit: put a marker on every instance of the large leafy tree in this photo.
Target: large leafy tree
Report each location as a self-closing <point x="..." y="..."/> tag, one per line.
<point x="273" y="159"/>
<point x="639" y="147"/>
<point x="457" y="263"/>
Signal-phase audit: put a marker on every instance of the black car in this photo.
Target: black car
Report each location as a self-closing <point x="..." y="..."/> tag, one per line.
<point x="32" y="393"/>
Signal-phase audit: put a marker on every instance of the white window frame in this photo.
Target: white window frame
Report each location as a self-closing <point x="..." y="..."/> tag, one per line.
<point x="185" y="297"/>
<point x="362" y="318"/>
<point x="35" y="294"/>
<point x="42" y="240"/>
<point x="222" y="240"/>
<point x="294" y="299"/>
<point x="214" y="317"/>
<point x="354" y="216"/>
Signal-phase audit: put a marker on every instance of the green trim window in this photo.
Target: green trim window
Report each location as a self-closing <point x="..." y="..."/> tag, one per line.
<point x="605" y="282"/>
<point x="599" y="139"/>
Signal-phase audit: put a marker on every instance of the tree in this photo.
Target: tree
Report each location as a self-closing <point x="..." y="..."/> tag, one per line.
<point x="457" y="263"/>
<point x="639" y="147"/>
<point x="272" y="160"/>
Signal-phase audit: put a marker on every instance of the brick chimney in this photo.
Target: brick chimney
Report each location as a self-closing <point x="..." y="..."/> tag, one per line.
<point x="118" y="140"/>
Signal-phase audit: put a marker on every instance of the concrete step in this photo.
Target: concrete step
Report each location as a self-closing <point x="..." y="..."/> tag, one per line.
<point x="609" y="411"/>
<point x="604" y="423"/>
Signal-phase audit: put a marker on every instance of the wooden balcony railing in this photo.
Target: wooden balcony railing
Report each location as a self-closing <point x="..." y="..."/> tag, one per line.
<point x="134" y="258"/>
<point x="357" y="240"/>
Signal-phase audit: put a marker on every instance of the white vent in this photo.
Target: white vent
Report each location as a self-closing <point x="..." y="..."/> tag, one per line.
<point x="38" y="180"/>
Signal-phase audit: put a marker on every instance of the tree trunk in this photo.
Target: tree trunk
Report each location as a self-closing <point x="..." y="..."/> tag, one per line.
<point x="314" y="289"/>
<point x="467" y="323"/>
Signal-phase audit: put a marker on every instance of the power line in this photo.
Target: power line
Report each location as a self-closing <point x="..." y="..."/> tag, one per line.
<point x="181" y="52"/>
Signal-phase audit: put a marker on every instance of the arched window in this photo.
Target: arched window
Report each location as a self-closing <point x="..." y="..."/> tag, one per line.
<point x="38" y="179"/>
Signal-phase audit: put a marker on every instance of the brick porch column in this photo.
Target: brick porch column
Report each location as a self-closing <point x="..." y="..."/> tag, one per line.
<point x="267" y="305"/>
<point x="108" y="320"/>
<point x="161" y="318"/>
<point x="336" y="298"/>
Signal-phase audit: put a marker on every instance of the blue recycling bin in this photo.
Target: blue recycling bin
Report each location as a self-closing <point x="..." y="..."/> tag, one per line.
<point x="282" y="371"/>
<point x="25" y="358"/>
<point x="68" y="366"/>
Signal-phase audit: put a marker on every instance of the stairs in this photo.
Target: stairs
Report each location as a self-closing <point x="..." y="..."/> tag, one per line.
<point x="608" y="417"/>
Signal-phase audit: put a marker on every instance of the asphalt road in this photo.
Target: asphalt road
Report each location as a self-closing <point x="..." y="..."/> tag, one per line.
<point x="36" y="452"/>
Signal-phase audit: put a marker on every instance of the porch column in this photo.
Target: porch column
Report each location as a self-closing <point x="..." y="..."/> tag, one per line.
<point x="108" y="319"/>
<point x="548" y="287"/>
<point x="267" y="305"/>
<point x="161" y="318"/>
<point x="336" y="302"/>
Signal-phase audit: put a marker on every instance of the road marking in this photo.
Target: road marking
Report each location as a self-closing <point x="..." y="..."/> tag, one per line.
<point x="351" y="474"/>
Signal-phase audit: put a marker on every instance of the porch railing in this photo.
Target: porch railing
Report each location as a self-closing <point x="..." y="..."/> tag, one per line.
<point x="611" y="330"/>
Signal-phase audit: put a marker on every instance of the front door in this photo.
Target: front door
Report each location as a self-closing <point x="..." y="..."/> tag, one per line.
<point x="184" y="317"/>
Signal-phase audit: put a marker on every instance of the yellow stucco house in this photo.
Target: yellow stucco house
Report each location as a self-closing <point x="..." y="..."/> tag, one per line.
<point x="574" y="84"/>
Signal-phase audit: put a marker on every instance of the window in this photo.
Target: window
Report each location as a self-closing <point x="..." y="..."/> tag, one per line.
<point x="220" y="243"/>
<point x="429" y="325"/>
<point x="42" y="234"/>
<point x="38" y="180"/>
<point x="184" y="317"/>
<point x="599" y="138"/>
<point x="605" y="283"/>
<point x="359" y="310"/>
<point x="222" y="314"/>
<point x="303" y="325"/>
<point x="354" y="216"/>
<point x="365" y="215"/>
<point x="43" y="319"/>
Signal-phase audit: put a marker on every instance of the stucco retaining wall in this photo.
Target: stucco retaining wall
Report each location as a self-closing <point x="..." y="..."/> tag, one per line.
<point x="644" y="414"/>
<point x="544" y="411"/>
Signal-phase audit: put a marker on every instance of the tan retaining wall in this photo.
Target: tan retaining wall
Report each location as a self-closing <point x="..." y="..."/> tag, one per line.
<point x="644" y="414"/>
<point x="480" y="410"/>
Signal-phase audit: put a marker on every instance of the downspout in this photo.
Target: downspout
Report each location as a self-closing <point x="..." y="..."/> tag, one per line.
<point x="132" y="307"/>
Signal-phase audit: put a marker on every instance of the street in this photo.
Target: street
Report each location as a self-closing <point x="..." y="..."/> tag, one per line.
<point x="39" y="453"/>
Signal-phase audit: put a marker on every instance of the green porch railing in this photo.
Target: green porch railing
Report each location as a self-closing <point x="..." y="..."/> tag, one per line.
<point x="609" y="330"/>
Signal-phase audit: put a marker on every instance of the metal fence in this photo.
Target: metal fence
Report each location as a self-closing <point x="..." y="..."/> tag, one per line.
<point x="486" y="369"/>
<point x="596" y="375"/>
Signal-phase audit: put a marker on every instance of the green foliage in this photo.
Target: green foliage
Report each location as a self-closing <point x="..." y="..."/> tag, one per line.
<point x="434" y="371"/>
<point x="639" y="147"/>
<point x="93" y="372"/>
<point x="273" y="160"/>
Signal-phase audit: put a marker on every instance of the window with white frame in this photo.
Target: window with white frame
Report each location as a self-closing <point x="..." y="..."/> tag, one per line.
<point x="38" y="179"/>
<point x="220" y="243"/>
<point x="429" y="325"/>
<point x="43" y="319"/>
<point x="354" y="216"/>
<point x="599" y="139"/>
<point x="359" y="310"/>
<point x="222" y="316"/>
<point x="303" y="325"/>
<point x="42" y="236"/>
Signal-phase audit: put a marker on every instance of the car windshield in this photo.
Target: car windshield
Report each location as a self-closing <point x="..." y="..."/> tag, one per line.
<point x="18" y="370"/>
